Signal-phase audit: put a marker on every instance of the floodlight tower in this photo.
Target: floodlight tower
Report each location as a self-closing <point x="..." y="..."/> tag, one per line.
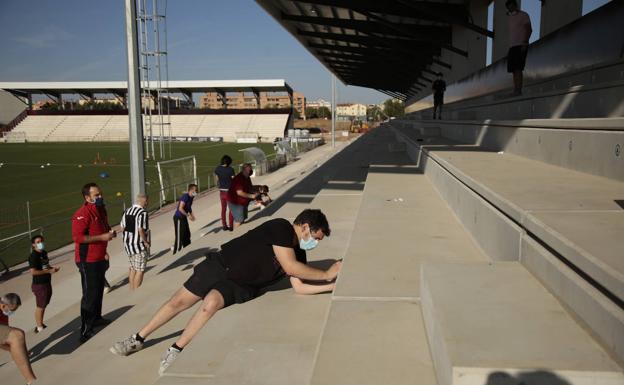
<point x="155" y="74"/>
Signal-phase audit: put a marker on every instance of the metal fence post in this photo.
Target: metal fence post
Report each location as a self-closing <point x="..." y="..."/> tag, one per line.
<point x="28" y="217"/>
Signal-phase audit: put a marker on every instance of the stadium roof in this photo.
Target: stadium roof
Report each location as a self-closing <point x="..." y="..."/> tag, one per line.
<point x="386" y="45"/>
<point x="120" y="87"/>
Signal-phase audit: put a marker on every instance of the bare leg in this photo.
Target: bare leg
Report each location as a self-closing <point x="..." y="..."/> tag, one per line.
<point x="517" y="77"/>
<point x="138" y="279"/>
<point x="212" y="303"/>
<point x="180" y="301"/>
<point x="17" y="347"/>
<point x="131" y="278"/>
<point x="39" y="312"/>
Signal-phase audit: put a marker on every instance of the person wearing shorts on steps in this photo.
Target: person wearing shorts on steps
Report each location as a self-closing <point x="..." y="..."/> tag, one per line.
<point x="13" y="339"/>
<point x="41" y="272"/>
<point x="238" y="273"/>
<point x="135" y="228"/>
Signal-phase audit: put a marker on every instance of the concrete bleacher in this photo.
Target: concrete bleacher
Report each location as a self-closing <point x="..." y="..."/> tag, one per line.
<point x="79" y="128"/>
<point x="436" y="288"/>
<point x="530" y="193"/>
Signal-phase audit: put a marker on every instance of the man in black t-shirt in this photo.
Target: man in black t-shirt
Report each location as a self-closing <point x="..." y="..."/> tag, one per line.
<point x="41" y="272"/>
<point x="237" y="274"/>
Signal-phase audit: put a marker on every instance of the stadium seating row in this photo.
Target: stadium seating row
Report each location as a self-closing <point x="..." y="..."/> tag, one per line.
<point x="109" y="128"/>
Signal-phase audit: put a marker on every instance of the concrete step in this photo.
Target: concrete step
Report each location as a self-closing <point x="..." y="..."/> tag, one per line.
<point x="372" y="343"/>
<point x="374" y="332"/>
<point x="273" y="339"/>
<point x="495" y="323"/>
<point x="546" y="217"/>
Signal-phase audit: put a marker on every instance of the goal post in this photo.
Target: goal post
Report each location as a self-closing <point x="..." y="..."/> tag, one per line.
<point x="174" y="176"/>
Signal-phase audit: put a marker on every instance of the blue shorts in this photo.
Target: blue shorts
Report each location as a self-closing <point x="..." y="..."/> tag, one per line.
<point x="239" y="212"/>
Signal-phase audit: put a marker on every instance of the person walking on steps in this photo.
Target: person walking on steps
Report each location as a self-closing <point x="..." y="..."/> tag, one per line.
<point x="184" y="212"/>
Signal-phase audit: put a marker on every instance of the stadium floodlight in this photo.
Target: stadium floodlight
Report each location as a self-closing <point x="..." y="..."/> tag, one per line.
<point x="174" y="176"/>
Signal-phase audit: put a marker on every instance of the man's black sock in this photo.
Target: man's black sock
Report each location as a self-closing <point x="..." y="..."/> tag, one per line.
<point x="176" y="347"/>
<point x="139" y="338"/>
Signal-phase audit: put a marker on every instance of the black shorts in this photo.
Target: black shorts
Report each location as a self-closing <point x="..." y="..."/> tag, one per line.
<point x="516" y="58"/>
<point x="438" y="99"/>
<point x="211" y="274"/>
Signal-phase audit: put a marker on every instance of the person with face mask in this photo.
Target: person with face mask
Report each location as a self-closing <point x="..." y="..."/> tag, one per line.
<point x="41" y="272"/>
<point x="240" y="272"/>
<point x="12" y="339"/>
<point x="239" y="195"/>
<point x="184" y="212"/>
<point x="91" y="234"/>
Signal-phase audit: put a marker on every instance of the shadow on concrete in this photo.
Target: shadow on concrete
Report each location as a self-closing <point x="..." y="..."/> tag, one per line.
<point x="159" y="254"/>
<point x="155" y="341"/>
<point x="538" y="377"/>
<point x="211" y="223"/>
<point x="620" y="202"/>
<point x="69" y="335"/>
<point x="125" y="281"/>
<point x="188" y="258"/>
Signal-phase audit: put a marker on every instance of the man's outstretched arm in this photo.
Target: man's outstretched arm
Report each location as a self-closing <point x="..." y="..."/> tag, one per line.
<point x="301" y="287"/>
<point x="287" y="259"/>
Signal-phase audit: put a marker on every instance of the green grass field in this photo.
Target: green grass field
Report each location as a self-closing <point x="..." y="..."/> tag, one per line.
<point x="54" y="191"/>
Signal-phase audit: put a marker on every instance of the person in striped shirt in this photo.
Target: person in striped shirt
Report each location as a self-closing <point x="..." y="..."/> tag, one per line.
<point x="135" y="227"/>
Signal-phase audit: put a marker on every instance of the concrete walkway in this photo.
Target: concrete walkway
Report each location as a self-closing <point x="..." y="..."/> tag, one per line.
<point x="61" y="315"/>
<point x="414" y="304"/>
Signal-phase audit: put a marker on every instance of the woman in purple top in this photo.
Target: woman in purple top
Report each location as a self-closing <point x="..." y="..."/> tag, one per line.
<point x="184" y="212"/>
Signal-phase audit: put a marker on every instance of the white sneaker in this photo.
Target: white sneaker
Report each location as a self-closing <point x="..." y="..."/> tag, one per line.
<point x="167" y="359"/>
<point x="126" y="346"/>
<point x="107" y="289"/>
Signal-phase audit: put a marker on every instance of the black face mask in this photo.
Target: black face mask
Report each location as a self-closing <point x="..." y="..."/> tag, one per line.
<point x="99" y="202"/>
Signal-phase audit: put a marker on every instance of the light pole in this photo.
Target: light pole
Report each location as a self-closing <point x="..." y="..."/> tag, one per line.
<point x="137" y="167"/>
<point x="333" y="109"/>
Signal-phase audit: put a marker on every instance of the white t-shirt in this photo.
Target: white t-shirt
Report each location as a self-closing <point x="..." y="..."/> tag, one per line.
<point x="518" y="32"/>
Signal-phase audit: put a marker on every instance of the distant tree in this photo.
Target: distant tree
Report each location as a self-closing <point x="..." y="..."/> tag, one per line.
<point x="324" y="112"/>
<point x="296" y="114"/>
<point x="374" y="113"/>
<point x="394" y="107"/>
<point x="50" y="106"/>
<point x="311" y="112"/>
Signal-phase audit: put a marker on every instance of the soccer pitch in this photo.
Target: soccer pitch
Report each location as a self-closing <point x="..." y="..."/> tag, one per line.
<point x="49" y="176"/>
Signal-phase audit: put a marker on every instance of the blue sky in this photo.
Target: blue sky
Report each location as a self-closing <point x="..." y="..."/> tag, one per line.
<point x="208" y="39"/>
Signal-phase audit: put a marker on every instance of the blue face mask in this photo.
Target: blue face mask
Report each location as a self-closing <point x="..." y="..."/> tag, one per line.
<point x="39" y="246"/>
<point x="99" y="202"/>
<point x="8" y="313"/>
<point x="308" y="244"/>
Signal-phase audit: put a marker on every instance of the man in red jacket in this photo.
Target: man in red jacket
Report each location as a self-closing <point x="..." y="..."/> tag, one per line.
<point x="91" y="233"/>
<point x="240" y="194"/>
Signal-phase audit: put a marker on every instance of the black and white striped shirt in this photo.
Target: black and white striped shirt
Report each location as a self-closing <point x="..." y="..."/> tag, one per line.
<point x="133" y="219"/>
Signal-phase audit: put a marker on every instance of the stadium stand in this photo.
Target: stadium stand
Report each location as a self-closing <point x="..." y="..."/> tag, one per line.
<point x="106" y="128"/>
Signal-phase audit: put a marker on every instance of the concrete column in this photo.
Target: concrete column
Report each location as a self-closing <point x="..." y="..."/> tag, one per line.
<point x="500" y="43"/>
<point x="557" y="13"/>
<point x="223" y="96"/>
<point x="470" y="41"/>
<point x="30" y="102"/>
